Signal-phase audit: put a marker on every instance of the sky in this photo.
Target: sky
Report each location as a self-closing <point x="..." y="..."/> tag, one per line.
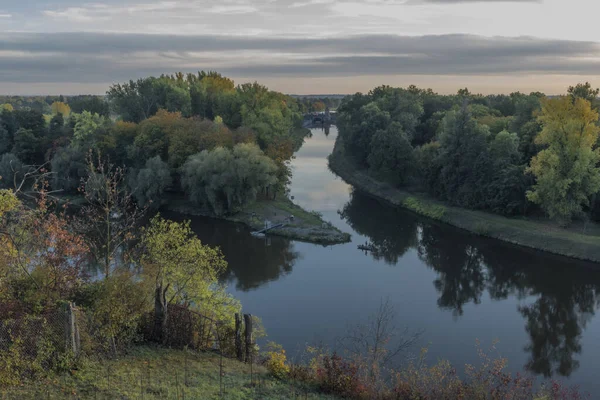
<point x="301" y="46"/>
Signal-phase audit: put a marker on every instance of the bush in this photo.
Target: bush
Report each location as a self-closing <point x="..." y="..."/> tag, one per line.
<point x="276" y="361"/>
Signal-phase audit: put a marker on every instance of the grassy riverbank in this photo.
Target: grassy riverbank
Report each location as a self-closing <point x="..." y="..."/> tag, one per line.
<point x="542" y="235"/>
<point x="306" y="226"/>
<point x="159" y="373"/>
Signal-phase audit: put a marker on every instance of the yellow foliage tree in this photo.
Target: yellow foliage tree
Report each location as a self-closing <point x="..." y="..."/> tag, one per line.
<point x="567" y="169"/>
<point x="58" y="107"/>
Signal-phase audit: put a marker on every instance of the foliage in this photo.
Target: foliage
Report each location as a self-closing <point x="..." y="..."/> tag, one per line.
<point x="181" y="271"/>
<point x="11" y="171"/>
<point x="58" y="107"/>
<point x="391" y="155"/>
<point x="148" y="184"/>
<point x="276" y="361"/>
<point x="69" y="168"/>
<point x="226" y="180"/>
<point x="108" y="218"/>
<point x="566" y="171"/>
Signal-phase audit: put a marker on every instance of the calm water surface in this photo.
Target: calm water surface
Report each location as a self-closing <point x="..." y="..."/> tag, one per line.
<point x="453" y="286"/>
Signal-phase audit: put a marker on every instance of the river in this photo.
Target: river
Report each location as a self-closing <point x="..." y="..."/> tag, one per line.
<point x="455" y="287"/>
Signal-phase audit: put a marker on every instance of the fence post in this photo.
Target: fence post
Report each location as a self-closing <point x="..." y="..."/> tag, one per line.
<point x="248" y="323"/>
<point x="238" y="337"/>
<point x="70" y="331"/>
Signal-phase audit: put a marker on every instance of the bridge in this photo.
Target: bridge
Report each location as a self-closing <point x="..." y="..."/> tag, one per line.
<point x="320" y="118"/>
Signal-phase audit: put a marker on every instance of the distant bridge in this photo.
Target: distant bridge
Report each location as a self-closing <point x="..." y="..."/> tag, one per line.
<point x="318" y="118"/>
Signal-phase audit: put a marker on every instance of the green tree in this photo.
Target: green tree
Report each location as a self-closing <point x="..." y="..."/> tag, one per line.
<point x="584" y="91"/>
<point x="182" y="270"/>
<point x="226" y="180"/>
<point x="508" y="184"/>
<point x="27" y="147"/>
<point x="69" y="167"/>
<point x="6" y="140"/>
<point x="391" y="155"/>
<point x="566" y="172"/>
<point x="465" y="160"/>
<point x="148" y="184"/>
<point x="88" y="128"/>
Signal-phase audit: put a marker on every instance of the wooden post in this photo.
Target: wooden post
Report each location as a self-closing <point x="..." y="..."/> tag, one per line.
<point x="238" y="337"/>
<point x="71" y="342"/>
<point x="248" y="323"/>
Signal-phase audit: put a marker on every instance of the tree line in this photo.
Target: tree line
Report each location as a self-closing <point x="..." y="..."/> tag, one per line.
<point x="199" y="134"/>
<point x="514" y="154"/>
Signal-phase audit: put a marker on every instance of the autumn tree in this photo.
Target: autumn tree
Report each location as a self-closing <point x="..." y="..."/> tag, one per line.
<point x="182" y="270"/>
<point x="108" y="218"/>
<point x="58" y="107"/>
<point x="566" y="170"/>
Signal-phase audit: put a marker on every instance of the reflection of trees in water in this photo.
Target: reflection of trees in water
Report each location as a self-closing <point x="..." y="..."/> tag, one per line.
<point x="567" y="297"/>
<point x="566" y="294"/>
<point x="391" y="232"/>
<point x="252" y="261"/>
<point x="461" y="279"/>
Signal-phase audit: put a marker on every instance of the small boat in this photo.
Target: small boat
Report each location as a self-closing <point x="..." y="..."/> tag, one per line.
<point x="366" y="247"/>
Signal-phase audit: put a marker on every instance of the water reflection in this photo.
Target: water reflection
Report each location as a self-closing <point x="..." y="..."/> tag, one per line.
<point x="562" y="293"/>
<point x="252" y="261"/>
<point x="391" y="234"/>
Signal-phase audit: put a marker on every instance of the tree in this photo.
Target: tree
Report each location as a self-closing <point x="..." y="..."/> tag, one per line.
<point x="69" y="167"/>
<point x="226" y="180"/>
<point x="391" y="155"/>
<point x="6" y="140"/>
<point x="584" y="91"/>
<point x="566" y="172"/>
<point x="508" y="185"/>
<point x="93" y="104"/>
<point x="464" y="159"/>
<point x="11" y="171"/>
<point x="148" y="184"/>
<point x="88" y="127"/>
<point x="27" y="147"/>
<point x="108" y="218"/>
<point x="59" y="107"/>
<point x="182" y="270"/>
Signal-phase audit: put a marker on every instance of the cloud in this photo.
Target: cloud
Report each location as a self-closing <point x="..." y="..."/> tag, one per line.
<point x="5" y="15"/>
<point x="475" y="1"/>
<point x="232" y="9"/>
<point x="97" y="58"/>
<point x="300" y="4"/>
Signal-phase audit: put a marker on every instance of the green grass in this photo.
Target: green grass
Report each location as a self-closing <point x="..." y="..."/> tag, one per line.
<point x="157" y="373"/>
<point x="537" y="234"/>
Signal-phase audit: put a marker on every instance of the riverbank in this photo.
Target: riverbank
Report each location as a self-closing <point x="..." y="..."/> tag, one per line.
<point x="306" y="226"/>
<point x="533" y="234"/>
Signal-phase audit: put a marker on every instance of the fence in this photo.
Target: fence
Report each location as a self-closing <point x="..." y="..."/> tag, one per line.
<point x="32" y="345"/>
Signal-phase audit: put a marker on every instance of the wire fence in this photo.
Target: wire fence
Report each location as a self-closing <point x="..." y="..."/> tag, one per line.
<point x="32" y="346"/>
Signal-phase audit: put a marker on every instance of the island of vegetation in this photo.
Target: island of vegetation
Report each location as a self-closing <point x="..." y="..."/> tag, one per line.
<point x="194" y="143"/>
<point x="520" y="168"/>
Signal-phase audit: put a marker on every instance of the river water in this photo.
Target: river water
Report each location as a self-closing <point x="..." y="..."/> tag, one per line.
<point x="453" y="287"/>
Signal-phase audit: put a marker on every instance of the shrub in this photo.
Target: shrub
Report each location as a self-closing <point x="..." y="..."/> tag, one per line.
<point x="276" y="361"/>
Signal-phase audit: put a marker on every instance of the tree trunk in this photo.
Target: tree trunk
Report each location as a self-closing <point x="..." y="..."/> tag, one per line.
<point x="159" y="333"/>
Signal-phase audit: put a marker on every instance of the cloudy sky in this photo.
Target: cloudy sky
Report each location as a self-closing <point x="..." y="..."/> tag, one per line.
<point x="301" y="46"/>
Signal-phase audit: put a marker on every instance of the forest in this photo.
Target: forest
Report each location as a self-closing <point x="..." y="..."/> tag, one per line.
<point x="198" y="135"/>
<point x="514" y="155"/>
